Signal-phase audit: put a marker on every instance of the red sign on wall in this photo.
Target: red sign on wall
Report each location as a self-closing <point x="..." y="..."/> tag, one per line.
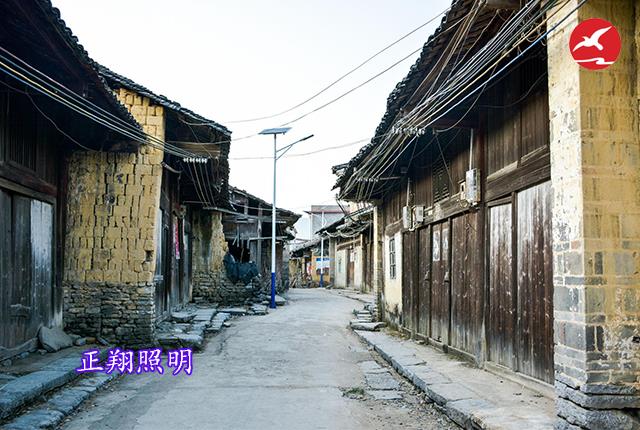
<point x="595" y="44"/>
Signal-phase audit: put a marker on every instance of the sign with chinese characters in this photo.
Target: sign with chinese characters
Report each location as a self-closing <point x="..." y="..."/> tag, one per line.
<point x="322" y="263"/>
<point x="141" y="361"/>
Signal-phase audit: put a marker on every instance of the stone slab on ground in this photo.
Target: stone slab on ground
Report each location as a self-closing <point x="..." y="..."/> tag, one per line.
<point x="37" y="419"/>
<point x="204" y="315"/>
<point x="234" y="310"/>
<point x="183" y="317"/>
<point x="52" y="411"/>
<point x="384" y="394"/>
<point x="371" y="366"/>
<point x="280" y="301"/>
<point x="68" y="400"/>
<point x="472" y="397"/>
<point x="25" y="389"/>
<point x="54" y="339"/>
<point x="366" y="325"/>
<point x="259" y="309"/>
<point x="381" y="381"/>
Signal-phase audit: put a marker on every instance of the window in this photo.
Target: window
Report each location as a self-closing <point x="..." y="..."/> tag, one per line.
<point x="392" y="258"/>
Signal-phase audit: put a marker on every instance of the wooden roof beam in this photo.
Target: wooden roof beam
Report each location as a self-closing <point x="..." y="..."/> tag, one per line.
<point x="502" y="4"/>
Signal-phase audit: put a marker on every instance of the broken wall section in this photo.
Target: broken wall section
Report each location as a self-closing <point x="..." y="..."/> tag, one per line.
<point x="210" y="282"/>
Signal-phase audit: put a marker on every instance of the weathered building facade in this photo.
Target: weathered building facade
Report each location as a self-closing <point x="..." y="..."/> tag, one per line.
<point x="243" y="231"/>
<point x="42" y="134"/>
<point x="129" y="236"/>
<point x="497" y="226"/>
<point x="350" y="244"/>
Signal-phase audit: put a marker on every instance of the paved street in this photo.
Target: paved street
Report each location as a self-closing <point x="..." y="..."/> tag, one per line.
<point x="288" y="369"/>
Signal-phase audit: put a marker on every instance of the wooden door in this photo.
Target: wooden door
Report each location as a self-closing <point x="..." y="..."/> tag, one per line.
<point x="350" y="267"/>
<point x="535" y="283"/>
<point x="6" y="271"/>
<point x="501" y="329"/>
<point x="409" y="288"/>
<point x="26" y="271"/>
<point x="440" y="283"/>
<point x="466" y="284"/>
<point x="424" y="281"/>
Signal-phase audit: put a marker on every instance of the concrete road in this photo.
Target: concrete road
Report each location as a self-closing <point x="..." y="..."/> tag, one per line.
<point x="286" y="370"/>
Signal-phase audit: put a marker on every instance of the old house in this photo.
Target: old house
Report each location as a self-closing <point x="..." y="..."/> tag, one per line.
<point x="47" y="83"/>
<point x="245" y="234"/>
<point x="130" y="239"/>
<point x="350" y="244"/>
<point x="506" y="223"/>
<point x="305" y="262"/>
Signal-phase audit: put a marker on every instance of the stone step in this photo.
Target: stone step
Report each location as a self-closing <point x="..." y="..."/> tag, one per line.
<point x="24" y="389"/>
<point x="51" y="412"/>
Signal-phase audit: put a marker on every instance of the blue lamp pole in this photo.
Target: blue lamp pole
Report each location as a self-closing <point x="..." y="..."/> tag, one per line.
<point x="277" y="153"/>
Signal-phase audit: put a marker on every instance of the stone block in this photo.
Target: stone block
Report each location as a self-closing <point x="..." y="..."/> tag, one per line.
<point x="595" y="419"/>
<point x="54" y="339"/>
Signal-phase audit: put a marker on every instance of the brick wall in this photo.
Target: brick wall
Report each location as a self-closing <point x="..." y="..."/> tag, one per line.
<point x="113" y="199"/>
<point x="595" y="170"/>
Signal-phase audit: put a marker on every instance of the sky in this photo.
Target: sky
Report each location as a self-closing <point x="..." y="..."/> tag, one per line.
<point x="234" y="60"/>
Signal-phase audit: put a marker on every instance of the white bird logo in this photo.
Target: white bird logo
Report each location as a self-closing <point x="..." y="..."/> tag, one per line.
<point x="588" y="42"/>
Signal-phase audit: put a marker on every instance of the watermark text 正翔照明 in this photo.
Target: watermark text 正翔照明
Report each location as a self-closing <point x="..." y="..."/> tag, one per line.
<point x="137" y="362"/>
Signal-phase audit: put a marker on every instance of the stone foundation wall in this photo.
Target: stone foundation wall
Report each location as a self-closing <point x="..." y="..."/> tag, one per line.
<point x="595" y="175"/>
<point x="113" y="199"/>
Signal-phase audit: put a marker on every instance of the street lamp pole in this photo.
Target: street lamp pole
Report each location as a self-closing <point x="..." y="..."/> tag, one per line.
<point x="277" y="153"/>
<point x="322" y="251"/>
<point x="272" y="302"/>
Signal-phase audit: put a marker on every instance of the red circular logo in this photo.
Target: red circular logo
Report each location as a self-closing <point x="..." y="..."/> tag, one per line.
<point x="595" y="44"/>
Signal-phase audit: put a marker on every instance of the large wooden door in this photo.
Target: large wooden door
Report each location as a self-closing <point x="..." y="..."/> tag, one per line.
<point x="26" y="271"/>
<point x="535" y="283"/>
<point x="424" y="282"/>
<point x="502" y="298"/>
<point x="466" y="284"/>
<point x="520" y="323"/>
<point x="409" y="287"/>
<point x="440" y="283"/>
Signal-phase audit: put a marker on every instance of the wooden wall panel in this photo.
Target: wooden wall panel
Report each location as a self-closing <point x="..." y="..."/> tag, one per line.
<point x="409" y="287"/>
<point x="424" y="281"/>
<point x="501" y="330"/>
<point x="440" y="283"/>
<point x="466" y="284"/>
<point x="535" y="283"/>
<point x="6" y="269"/>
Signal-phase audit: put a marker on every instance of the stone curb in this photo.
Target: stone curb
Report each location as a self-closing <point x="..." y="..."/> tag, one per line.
<point x="465" y="407"/>
<point x="51" y="413"/>
<point x="25" y="389"/>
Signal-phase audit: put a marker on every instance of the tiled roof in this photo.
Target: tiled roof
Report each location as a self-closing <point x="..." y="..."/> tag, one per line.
<point x="405" y="88"/>
<point x="53" y="15"/>
<point x="118" y="80"/>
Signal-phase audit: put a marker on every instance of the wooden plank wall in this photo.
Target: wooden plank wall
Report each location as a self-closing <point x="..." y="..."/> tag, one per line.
<point x="502" y="306"/>
<point x="489" y="294"/>
<point x="467" y="298"/>
<point x="535" y="317"/>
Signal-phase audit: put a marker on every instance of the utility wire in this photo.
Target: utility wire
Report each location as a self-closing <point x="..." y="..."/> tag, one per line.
<point x="359" y="66"/>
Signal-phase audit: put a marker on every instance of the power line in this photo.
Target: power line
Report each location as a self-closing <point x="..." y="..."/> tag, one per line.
<point x="303" y="154"/>
<point x="54" y="90"/>
<point x="359" y="66"/>
<point x="431" y="117"/>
